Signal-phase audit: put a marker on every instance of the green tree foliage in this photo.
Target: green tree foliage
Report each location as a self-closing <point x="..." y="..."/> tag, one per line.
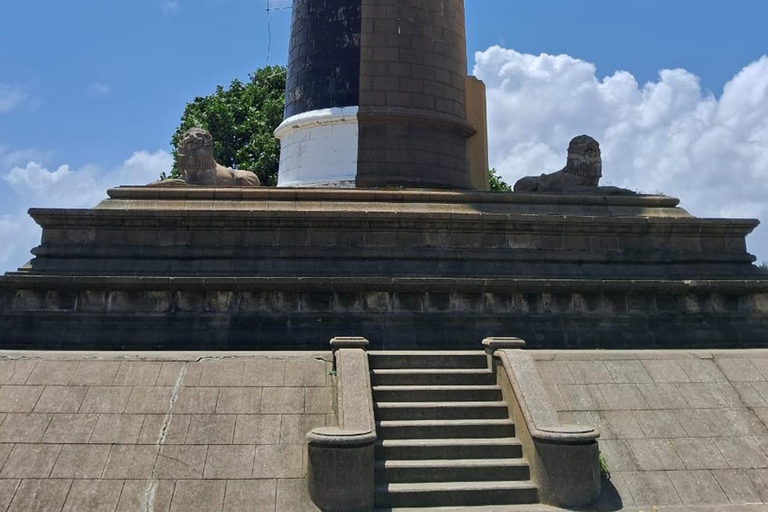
<point x="764" y="266"/>
<point x="242" y="120"/>
<point x="497" y="184"/>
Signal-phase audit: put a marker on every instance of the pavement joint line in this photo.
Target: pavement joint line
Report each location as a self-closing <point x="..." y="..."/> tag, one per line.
<point x="150" y="492"/>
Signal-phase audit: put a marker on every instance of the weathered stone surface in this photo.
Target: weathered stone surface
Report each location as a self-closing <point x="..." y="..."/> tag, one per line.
<point x="229" y="462"/>
<point x="198" y="167"/>
<point x="24" y="428"/>
<point x="581" y="173"/>
<point x="93" y="495"/>
<point x="698" y="448"/>
<point x="187" y="454"/>
<point x="30" y="461"/>
<point x="61" y="399"/>
<point x="70" y="428"/>
<point x="141" y="495"/>
<point x="81" y="462"/>
<point x="563" y="459"/>
<point x="250" y="495"/>
<point x="283" y="400"/>
<point x="699" y="453"/>
<point x="202" y="496"/>
<point x="276" y="269"/>
<point x="38" y="495"/>
<point x="19" y="398"/>
<point x="260" y="429"/>
<point x="117" y="429"/>
<point x="180" y="462"/>
<point x="291" y="326"/>
<point x="279" y="461"/>
<point x="413" y="116"/>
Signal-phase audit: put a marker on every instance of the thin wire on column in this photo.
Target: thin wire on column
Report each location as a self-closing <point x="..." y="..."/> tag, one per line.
<point x="269" y="32"/>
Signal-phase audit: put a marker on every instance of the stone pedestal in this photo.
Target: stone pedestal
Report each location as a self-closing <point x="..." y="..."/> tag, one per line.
<point x="280" y="269"/>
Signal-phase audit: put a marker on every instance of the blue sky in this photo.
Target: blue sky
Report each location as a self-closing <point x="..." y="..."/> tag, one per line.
<point x="91" y="91"/>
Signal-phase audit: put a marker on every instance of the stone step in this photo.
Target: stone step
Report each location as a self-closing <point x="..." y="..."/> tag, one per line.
<point x="482" y="508"/>
<point x="463" y="470"/>
<point x="427" y="359"/>
<point x="436" y="494"/>
<point x="445" y="429"/>
<point x="440" y="377"/>
<point x="440" y="410"/>
<point x="442" y="449"/>
<point x="436" y="393"/>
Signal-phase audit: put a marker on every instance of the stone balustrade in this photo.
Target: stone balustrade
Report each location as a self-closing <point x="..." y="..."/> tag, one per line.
<point x="564" y="459"/>
<point x="341" y="459"/>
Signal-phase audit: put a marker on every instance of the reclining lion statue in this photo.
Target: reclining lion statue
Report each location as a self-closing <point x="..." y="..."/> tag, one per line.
<point x="581" y="174"/>
<point x="198" y="167"/>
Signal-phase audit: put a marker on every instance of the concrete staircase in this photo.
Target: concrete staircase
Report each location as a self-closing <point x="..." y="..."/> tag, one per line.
<point x="444" y="435"/>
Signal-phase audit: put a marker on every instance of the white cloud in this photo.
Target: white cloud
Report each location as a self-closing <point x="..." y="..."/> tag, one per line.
<point x="99" y="89"/>
<point x="34" y="185"/>
<point x="668" y="136"/>
<point x="168" y="6"/>
<point x="11" y="96"/>
<point x="9" y="159"/>
<point x="9" y="233"/>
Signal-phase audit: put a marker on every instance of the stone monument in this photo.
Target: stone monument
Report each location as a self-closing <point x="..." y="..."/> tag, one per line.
<point x="198" y="167"/>
<point x="376" y="101"/>
<point x="581" y="174"/>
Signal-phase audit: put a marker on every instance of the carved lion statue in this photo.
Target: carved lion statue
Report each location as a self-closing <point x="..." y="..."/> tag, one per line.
<point x="198" y="167"/>
<point x="583" y="169"/>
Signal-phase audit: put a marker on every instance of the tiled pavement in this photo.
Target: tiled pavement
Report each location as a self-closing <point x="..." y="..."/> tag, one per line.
<point x="678" y="429"/>
<point x="158" y="432"/>
<point x="164" y="432"/>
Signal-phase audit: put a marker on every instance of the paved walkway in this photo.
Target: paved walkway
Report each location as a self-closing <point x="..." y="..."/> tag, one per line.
<point x="158" y="432"/>
<point x="679" y="430"/>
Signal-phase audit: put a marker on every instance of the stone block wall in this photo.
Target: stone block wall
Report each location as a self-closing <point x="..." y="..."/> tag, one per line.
<point x="410" y="154"/>
<point x="413" y="116"/>
<point x="413" y="55"/>
<point x="285" y="314"/>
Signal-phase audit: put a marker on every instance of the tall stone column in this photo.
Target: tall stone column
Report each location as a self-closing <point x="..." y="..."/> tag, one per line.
<point x="376" y="95"/>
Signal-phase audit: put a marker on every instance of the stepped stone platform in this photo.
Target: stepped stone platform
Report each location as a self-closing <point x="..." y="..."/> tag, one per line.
<point x="213" y="432"/>
<point x="170" y="268"/>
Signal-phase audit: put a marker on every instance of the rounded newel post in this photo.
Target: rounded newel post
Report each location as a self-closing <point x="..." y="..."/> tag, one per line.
<point x="565" y="465"/>
<point x="341" y="459"/>
<point x="491" y="345"/>
<point x="341" y="469"/>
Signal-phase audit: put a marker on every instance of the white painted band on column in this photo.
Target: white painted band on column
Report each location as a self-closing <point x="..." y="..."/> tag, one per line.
<point x="319" y="148"/>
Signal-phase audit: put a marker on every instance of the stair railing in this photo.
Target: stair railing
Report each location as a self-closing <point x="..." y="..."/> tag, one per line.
<point x="341" y="459"/>
<point x="564" y="459"/>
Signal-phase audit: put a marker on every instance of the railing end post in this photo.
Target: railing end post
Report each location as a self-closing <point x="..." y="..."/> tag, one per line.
<point x="491" y="345"/>
<point x="349" y="342"/>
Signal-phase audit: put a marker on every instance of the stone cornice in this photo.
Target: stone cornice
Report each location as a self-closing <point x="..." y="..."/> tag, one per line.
<point x="18" y="280"/>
